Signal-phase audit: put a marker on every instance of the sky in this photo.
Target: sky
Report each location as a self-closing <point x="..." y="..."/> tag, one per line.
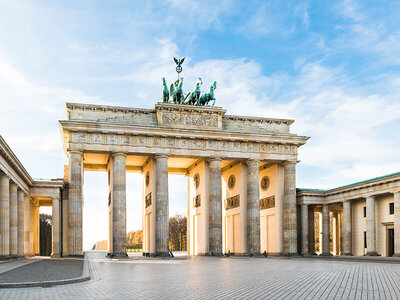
<point x="332" y="66"/>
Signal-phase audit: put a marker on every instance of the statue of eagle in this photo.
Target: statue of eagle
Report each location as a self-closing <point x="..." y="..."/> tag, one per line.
<point x="179" y="62"/>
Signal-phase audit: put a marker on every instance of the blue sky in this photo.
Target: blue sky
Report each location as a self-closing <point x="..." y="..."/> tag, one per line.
<point x="333" y="66"/>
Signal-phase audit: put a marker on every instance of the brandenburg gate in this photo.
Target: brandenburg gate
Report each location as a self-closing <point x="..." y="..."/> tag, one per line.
<point x="241" y="175"/>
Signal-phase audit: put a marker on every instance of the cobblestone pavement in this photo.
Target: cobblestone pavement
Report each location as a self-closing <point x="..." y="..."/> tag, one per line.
<point x="44" y="270"/>
<point x="225" y="278"/>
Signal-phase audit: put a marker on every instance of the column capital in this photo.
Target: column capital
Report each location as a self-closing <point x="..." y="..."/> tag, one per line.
<point x="290" y="162"/>
<point x="370" y="196"/>
<point x="347" y="201"/>
<point x="396" y="192"/>
<point x="214" y="158"/>
<point x="304" y="205"/>
<point x="74" y="152"/>
<point x="118" y="154"/>
<point x="13" y="184"/>
<point x="252" y="160"/>
<point x="157" y="156"/>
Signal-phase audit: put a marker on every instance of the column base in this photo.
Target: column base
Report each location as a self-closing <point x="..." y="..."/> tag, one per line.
<point x="55" y="255"/>
<point x="291" y="254"/>
<point x="75" y="256"/>
<point x="5" y="257"/>
<point x="117" y="255"/>
<point x="396" y="255"/>
<point x="347" y="254"/>
<point x="372" y="253"/>
<point x="306" y="254"/>
<point x="326" y="254"/>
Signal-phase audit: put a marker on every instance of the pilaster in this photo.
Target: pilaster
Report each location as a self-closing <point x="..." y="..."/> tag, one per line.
<point x="347" y="234"/>
<point x="396" y="196"/>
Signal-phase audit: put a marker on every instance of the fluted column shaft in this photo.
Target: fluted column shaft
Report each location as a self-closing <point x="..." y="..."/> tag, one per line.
<point x="20" y="213"/>
<point x="118" y="205"/>
<point x="75" y="203"/>
<point x="371" y="227"/>
<point x="253" y="208"/>
<point x="4" y="215"/>
<point x="289" y="210"/>
<point x="325" y="230"/>
<point x="56" y="230"/>
<point x="27" y="222"/>
<point x="304" y="229"/>
<point x="162" y="205"/>
<point x="396" y="223"/>
<point x="13" y="220"/>
<point x="311" y="230"/>
<point x="347" y="228"/>
<point x="215" y="208"/>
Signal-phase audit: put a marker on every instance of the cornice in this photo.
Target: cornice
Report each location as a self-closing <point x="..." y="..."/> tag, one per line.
<point x="13" y="161"/>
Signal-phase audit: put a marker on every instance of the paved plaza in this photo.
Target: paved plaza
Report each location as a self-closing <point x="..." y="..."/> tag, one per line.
<point x="225" y="278"/>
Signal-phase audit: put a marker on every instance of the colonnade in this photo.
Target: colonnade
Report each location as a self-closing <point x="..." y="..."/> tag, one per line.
<point x="346" y="233"/>
<point x="19" y="222"/>
<point x="117" y="206"/>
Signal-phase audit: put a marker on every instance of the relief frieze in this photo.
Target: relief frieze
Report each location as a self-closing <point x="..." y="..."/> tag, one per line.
<point x="232" y="202"/>
<point x="197" y="120"/>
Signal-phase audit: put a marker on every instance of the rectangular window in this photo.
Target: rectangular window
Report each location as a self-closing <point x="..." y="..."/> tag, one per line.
<point x="365" y="211"/>
<point x="365" y="239"/>
<point x="391" y="208"/>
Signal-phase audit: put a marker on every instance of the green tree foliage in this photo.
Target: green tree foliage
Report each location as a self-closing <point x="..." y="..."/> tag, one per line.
<point x="45" y="235"/>
<point x="177" y="233"/>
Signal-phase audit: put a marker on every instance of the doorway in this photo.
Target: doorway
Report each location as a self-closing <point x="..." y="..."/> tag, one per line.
<point x="390" y="235"/>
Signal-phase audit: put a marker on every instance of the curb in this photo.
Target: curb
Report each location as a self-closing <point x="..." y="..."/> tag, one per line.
<point x="85" y="277"/>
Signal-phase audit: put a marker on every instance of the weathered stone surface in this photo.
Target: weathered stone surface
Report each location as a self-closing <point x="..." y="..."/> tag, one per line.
<point x="118" y="205"/>
<point x="325" y="230"/>
<point x="289" y="210"/>
<point x="371" y="226"/>
<point x="396" y="223"/>
<point x="253" y="208"/>
<point x="215" y="208"/>
<point x="4" y="215"/>
<point x="56" y="238"/>
<point x="20" y="222"/>
<point x="162" y="205"/>
<point x="75" y="203"/>
<point x="304" y="229"/>
<point x="347" y="228"/>
<point x="13" y="220"/>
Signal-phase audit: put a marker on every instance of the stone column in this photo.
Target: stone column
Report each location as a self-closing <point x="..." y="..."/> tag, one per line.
<point x="27" y="222"/>
<point x="13" y="220"/>
<point x="20" y="213"/>
<point x="215" y="208"/>
<point x="75" y="203"/>
<point x="325" y="231"/>
<point x="311" y="230"/>
<point x="347" y="235"/>
<point x="65" y="230"/>
<point x="4" y="215"/>
<point x="304" y="229"/>
<point x="56" y="238"/>
<point x="371" y="228"/>
<point x="289" y="210"/>
<point x="253" y="207"/>
<point x="118" y="205"/>
<point x="396" y="196"/>
<point x="162" y="205"/>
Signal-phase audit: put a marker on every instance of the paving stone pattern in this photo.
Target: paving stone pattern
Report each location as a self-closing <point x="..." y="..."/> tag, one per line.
<point x="225" y="278"/>
<point x="44" y="270"/>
